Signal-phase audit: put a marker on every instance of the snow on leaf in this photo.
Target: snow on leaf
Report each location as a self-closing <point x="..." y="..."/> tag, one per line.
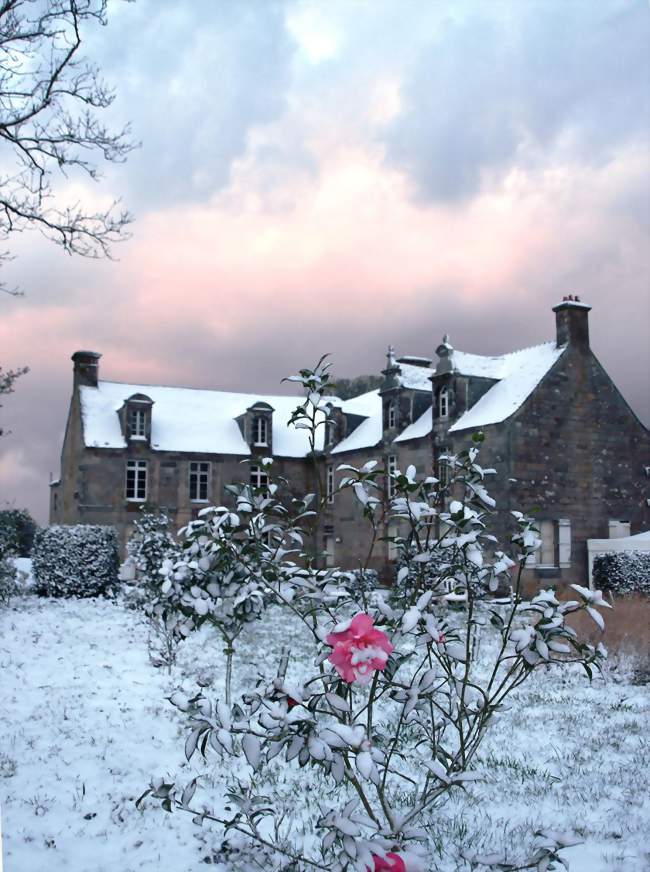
<point x="337" y="702"/>
<point x="410" y="619"/>
<point x="456" y="651"/>
<point x="192" y="741"/>
<point x="252" y="749"/>
<point x="596" y="616"/>
<point x="402" y="574"/>
<point x="365" y="765"/>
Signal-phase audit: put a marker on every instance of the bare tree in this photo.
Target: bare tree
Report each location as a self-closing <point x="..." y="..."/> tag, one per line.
<point x="49" y="99"/>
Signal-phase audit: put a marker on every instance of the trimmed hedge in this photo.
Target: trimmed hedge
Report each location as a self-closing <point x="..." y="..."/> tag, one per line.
<point x="623" y="571"/>
<point x="80" y="560"/>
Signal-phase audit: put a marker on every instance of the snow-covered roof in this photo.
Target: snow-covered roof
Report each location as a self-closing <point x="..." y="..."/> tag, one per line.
<point x="187" y="419"/>
<point x="419" y="428"/>
<point x="479" y="365"/>
<point x="519" y="372"/>
<point x="369" y="432"/>
<point x="415" y="377"/>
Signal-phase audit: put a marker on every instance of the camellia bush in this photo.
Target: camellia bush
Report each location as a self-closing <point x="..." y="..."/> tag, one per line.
<point x="77" y="560"/>
<point x="394" y="712"/>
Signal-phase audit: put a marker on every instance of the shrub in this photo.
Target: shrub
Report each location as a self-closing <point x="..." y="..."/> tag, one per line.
<point x="79" y="560"/>
<point x="8" y="585"/>
<point x="17" y="529"/>
<point x="149" y="546"/>
<point x="623" y="571"/>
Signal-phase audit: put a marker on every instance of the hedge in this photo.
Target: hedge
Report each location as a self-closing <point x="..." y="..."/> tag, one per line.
<point x="79" y="560"/>
<point x="622" y="571"/>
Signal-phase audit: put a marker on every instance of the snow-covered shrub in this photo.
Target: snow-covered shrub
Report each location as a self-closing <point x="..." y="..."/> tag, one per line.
<point x="79" y="560"/>
<point x="365" y="580"/>
<point x="17" y="530"/>
<point x="394" y="712"/>
<point x="149" y="546"/>
<point x="147" y="549"/>
<point x="623" y="571"/>
<point x="8" y="584"/>
<point x="217" y="576"/>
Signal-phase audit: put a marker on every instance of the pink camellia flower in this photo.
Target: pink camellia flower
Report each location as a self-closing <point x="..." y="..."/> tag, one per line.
<point x="391" y="863"/>
<point x="359" y="650"/>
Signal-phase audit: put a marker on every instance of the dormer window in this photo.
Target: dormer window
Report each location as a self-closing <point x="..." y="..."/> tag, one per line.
<point x="138" y="424"/>
<point x="392" y="415"/>
<point x="256" y="426"/>
<point x="330" y="430"/>
<point x="443" y="402"/>
<point x="260" y="431"/>
<point x="135" y="418"/>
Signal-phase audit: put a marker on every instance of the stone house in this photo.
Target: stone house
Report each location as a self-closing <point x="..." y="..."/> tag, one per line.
<point x="565" y="444"/>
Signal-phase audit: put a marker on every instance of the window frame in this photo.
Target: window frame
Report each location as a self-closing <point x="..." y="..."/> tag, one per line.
<point x="258" y="476"/>
<point x="391" y="415"/>
<point x="197" y="474"/>
<point x="391" y="469"/>
<point x="260" y="431"/>
<point x="136" y="466"/>
<point x="329" y="549"/>
<point x="443" y="402"/>
<point x="329" y="483"/>
<point x="137" y="424"/>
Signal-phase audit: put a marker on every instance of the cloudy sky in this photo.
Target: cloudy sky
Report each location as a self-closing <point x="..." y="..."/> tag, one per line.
<point x="334" y="176"/>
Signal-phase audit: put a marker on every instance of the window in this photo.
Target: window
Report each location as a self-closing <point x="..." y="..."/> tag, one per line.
<point x="136" y="480"/>
<point x="443" y="402"/>
<point x="138" y="424"/>
<point x="390" y="481"/>
<point x="329" y="486"/>
<point x="260" y="431"/>
<point x="328" y="542"/>
<point x="547" y="551"/>
<point x="259" y="476"/>
<point x="393" y="550"/>
<point x="564" y="541"/>
<point x="442" y="474"/>
<point x="330" y="430"/>
<point x="199" y="481"/>
<point x="392" y="415"/>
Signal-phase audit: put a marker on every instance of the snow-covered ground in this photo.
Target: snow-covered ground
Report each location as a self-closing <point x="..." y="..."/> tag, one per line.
<point x="84" y="724"/>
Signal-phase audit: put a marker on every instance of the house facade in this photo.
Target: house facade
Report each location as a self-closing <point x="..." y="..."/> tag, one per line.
<point x="566" y="446"/>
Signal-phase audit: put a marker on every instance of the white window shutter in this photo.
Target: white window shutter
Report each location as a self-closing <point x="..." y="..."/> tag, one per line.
<point x="564" y="541"/>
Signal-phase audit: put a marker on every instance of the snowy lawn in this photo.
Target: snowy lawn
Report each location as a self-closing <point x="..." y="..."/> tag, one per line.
<point x="84" y="724"/>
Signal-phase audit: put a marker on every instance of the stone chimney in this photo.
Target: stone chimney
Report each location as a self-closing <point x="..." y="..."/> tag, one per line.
<point x="572" y="322"/>
<point x="86" y="368"/>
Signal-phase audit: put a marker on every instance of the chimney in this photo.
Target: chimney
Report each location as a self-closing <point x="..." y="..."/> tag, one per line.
<point x="86" y="368"/>
<point x="572" y="322"/>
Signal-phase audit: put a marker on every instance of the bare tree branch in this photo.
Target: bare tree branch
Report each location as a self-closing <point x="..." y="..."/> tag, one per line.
<point x="49" y="97"/>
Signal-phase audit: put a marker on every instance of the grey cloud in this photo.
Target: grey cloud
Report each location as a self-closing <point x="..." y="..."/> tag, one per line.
<point x="192" y="91"/>
<point x="506" y="84"/>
